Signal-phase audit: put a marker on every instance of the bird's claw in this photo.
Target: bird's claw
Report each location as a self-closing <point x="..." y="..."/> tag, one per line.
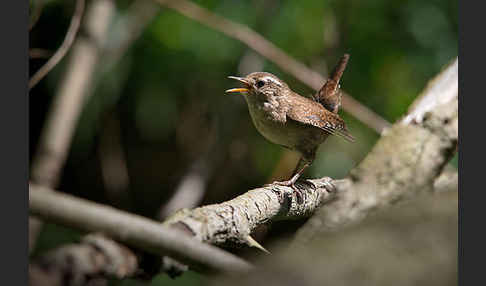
<point x="298" y="194"/>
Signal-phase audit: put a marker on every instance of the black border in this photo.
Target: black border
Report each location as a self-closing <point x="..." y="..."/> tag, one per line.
<point x="471" y="121"/>
<point x="14" y="21"/>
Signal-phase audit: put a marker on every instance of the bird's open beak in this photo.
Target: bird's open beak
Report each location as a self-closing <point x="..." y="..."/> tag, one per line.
<point x="239" y="89"/>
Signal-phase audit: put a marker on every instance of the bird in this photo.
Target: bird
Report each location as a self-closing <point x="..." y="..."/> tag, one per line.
<point x="291" y="120"/>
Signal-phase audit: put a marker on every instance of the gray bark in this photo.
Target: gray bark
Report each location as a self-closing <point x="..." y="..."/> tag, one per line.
<point x="131" y="229"/>
<point x="411" y="244"/>
<point x="406" y="161"/>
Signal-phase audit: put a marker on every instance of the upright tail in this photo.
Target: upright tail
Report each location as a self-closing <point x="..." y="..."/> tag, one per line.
<point x="329" y="95"/>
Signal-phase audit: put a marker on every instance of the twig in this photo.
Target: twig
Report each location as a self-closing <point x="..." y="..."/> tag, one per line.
<point x="66" y="44"/>
<point x="274" y="54"/>
<point x="131" y="229"/>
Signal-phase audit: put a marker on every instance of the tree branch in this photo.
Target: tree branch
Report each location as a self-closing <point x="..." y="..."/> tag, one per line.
<point x="406" y="161"/>
<point x="131" y="229"/>
<point x="232" y="222"/>
<point x="66" y="44"/>
<point x="411" y="244"/>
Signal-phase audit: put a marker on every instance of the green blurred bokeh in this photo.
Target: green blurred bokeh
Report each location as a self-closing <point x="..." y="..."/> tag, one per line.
<point x="163" y="102"/>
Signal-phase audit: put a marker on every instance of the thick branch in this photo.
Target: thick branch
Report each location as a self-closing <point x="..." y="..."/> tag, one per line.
<point x="233" y="221"/>
<point x="413" y="244"/>
<point x="131" y="229"/>
<point x="406" y="161"/>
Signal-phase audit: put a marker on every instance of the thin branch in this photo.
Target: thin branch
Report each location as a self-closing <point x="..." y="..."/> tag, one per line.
<point x="131" y="229"/>
<point x="66" y="44"/>
<point x="268" y="50"/>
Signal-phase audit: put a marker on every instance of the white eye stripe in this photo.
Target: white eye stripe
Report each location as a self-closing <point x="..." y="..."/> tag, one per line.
<point x="267" y="78"/>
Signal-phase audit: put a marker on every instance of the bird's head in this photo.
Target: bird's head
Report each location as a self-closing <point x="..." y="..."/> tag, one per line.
<point x="261" y="85"/>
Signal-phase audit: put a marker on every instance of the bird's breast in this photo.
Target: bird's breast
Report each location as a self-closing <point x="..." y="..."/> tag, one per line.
<point x="274" y="126"/>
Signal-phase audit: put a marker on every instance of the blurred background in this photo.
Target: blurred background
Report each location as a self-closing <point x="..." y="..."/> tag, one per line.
<point x="157" y="132"/>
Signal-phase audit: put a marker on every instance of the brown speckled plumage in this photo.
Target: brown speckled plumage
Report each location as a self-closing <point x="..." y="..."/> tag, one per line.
<point x="291" y="120"/>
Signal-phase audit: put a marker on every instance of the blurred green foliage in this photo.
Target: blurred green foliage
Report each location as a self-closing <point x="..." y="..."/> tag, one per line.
<point x="166" y="94"/>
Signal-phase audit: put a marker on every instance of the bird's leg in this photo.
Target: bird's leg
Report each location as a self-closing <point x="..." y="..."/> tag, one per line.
<point x="299" y="170"/>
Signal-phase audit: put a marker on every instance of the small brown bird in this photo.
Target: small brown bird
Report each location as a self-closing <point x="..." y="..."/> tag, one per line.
<point x="291" y="120"/>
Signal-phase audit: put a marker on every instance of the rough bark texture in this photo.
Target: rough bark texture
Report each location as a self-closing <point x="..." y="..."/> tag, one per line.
<point x="412" y="244"/>
<point x="406" y="161"/>
<point x="134" y="230"/>
<point x="231" y="222"/>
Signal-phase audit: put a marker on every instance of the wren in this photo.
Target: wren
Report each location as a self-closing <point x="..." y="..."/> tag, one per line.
<point x="293" y="121"/>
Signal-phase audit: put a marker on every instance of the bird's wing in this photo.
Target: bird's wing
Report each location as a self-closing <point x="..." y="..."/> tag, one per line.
<point x="321" y="118"/>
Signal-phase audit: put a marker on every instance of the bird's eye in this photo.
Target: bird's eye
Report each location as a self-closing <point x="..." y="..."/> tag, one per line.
<point x="260" y="83"/>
